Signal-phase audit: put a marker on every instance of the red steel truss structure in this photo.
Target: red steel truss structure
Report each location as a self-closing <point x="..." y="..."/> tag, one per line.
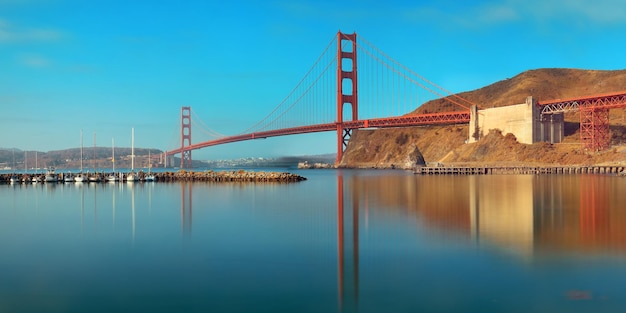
<point x="594" y="129"/>
<point x="594" y="116"/>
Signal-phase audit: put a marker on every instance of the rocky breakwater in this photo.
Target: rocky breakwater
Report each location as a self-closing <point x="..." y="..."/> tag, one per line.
<point x="228" y="176"/>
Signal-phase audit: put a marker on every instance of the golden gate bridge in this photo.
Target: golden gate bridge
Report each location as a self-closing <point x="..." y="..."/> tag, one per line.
<point x="342" y="93"/>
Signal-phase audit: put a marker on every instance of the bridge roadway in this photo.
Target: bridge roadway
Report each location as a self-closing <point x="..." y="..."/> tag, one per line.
<point x="400" y="121"/>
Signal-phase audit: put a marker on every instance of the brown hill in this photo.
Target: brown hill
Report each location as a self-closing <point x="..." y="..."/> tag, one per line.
<point x="542" y="84"/>
<point x="447" y="143"/>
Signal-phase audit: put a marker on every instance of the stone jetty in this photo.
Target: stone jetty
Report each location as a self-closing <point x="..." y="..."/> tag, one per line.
<point x="229" y="176"/>
<point x="191" y="176"/>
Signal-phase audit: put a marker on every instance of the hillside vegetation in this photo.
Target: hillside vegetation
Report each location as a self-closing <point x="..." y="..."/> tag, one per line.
<point x="384" y="148"/>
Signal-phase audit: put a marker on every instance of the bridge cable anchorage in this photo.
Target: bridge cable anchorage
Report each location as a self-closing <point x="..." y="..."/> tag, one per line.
<point x="301" y="82"/>
<point x="450" y="94"/>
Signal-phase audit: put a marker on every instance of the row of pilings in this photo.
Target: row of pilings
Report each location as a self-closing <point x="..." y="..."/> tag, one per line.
<point x="188" y="176"/>
<point x="487" y="170"/>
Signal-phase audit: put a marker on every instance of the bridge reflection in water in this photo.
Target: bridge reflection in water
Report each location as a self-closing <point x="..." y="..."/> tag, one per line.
<point x="391" y="228"/>
<point x="525" y="216"/>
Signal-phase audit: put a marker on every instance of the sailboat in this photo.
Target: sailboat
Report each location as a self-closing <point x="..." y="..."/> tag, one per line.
<point x="149" y="177"/>
<point x="132" y="177"/>
<point x="112" y="178"/>
<point x="14" y="179"/>
<point x="36" y="177"/>
<point x="95" y="177"/>
<point x="80" y="178"/>
<point x="25" y="178"/>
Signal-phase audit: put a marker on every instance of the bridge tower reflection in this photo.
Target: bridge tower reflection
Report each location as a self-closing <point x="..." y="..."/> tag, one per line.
<point x="347" y="250"/>
<point x="594" y="214"/>
<point x="186" y="207"/>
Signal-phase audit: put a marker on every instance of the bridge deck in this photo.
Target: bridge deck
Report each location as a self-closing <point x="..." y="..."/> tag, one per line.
<point x="400" y="121"/>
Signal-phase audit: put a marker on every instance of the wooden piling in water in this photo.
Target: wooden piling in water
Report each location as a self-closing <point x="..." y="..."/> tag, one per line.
<point x="535" y="170"/>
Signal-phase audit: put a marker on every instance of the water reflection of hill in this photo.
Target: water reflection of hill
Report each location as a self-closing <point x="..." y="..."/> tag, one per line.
<point x="521" y="213"/>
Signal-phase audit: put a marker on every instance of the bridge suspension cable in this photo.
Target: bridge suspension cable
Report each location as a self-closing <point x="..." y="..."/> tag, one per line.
<point x="409" y="75"/>
<point x="199" y="125"/>
<point x="174" y="141"/>
<point x="310" y="102"/>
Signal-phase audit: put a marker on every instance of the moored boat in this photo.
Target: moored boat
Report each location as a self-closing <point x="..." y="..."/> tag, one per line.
<point x="112" y="177"/>
<point x="149" y="176"/>
<point x="80" y="177"/>
<point x="68" y="178"/>
<point x="14" y="179"/>
<point x="132" y="176"/>
<point x="36" y="178"/>
<point x="94" y="178"/>
<point x="51" y="176"/>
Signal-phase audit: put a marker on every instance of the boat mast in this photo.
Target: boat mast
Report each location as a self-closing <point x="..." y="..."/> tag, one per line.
<point x="113" y="154"/>
<point x="132" y="150"/>
<point x="94" y="151"/>
<point x="81" y="151"/>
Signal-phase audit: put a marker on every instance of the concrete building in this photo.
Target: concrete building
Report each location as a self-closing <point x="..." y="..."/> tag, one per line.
<point x="524" y="121"/>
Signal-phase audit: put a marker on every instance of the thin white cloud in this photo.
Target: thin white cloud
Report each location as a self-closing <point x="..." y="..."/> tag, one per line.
<point x="595" y="11"/>
<point x="14" y="34"/>
<point x="480" y="16"/>
<point x="576" y="12"/>
<point x="498" y="14"/>
<point x="23" y="2"/>
<point x="34" y="61"/>
<point x="334" y="11"/>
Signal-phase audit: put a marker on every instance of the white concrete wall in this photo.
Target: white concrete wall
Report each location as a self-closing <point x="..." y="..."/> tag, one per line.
<point x="522" y="120"/>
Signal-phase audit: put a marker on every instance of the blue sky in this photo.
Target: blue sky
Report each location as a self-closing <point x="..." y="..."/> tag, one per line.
<point x="108" y="66"/>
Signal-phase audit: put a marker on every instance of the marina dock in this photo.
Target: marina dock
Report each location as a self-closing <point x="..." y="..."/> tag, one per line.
<point x="189" y="176"/>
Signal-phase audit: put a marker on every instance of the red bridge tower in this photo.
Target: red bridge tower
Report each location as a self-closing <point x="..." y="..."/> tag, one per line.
<point x="185" y="137"/>
<point x="349" y="77"/>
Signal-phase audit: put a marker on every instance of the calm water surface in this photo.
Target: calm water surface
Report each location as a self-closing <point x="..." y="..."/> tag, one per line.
<point x="342" y="241"/>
